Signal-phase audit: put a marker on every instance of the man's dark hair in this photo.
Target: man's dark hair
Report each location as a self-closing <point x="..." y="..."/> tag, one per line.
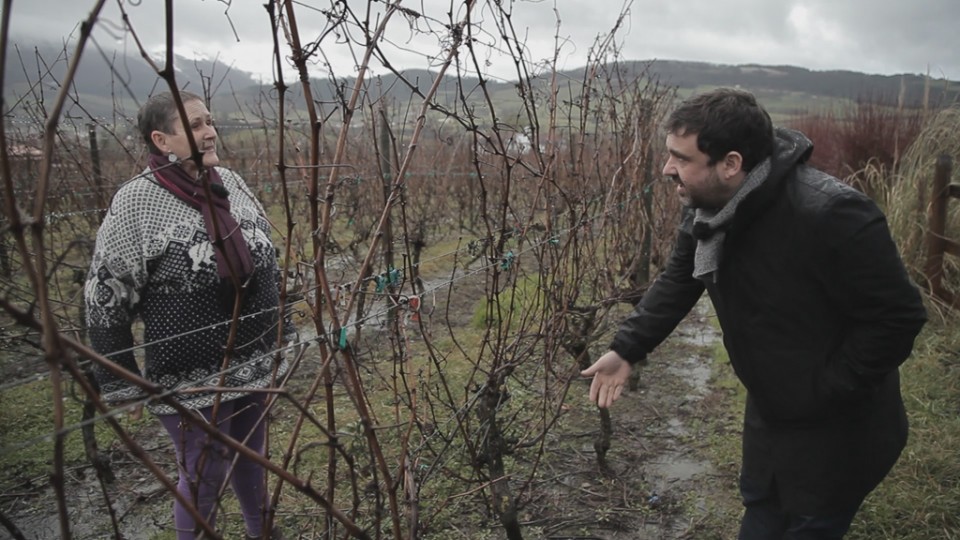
<point x="725" y="120"/>
<point x="160" y="113"/>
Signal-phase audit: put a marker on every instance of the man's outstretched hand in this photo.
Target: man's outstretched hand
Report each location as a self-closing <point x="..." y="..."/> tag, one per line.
<point x="610" y="373"/>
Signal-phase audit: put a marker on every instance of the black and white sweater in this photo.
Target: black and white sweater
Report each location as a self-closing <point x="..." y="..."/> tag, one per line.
<point x="154" y="260"/>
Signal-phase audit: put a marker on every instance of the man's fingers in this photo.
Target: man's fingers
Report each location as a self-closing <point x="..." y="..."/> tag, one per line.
<point x="607" y="395"/>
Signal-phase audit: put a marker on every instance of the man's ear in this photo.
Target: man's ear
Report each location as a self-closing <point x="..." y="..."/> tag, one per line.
<point x="159" y="139"/>
<point x="732" y="164"/>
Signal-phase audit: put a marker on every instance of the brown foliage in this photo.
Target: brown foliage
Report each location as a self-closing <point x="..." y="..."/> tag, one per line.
<point x="846" y="141"/>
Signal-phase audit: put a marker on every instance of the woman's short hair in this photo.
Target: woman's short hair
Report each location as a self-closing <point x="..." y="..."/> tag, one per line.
<point x="159" y="113"/>
<point x="725" y="120"/>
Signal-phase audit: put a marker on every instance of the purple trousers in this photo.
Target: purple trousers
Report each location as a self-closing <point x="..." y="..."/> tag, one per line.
<point x="240" y="419"/>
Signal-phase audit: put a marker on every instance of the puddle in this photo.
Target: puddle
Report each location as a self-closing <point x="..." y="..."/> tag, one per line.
<point x="676" y="464"/>
<point x="699" y="332"/>
<point x="675" y="467"/>
<point x="696" y="372"/>
<point x="675" y="428"/>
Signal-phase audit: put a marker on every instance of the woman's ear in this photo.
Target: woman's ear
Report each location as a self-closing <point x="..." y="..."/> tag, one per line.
<point x="159" y="140"/>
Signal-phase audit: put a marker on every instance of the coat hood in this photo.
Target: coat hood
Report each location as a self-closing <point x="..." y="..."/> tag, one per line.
<point x="790" y="148"/>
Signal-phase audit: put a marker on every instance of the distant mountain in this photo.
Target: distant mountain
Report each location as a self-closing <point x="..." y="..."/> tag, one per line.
<point x="112" y="86"/>
<point x="834" y="85"/>
<point x="106" y="84"/>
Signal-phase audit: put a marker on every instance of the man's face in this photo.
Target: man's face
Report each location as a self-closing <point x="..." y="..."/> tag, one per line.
<point x="698" y="184"/>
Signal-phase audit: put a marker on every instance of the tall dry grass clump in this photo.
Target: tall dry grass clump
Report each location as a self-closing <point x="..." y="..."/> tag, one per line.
<point x="907" y="191"/>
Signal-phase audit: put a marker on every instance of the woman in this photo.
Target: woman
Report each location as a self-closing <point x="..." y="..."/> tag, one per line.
<point x="154" y="259"/>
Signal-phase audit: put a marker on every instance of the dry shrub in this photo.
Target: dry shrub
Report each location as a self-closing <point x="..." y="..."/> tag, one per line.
<point x="822" y="130"/>
<point x="906" y="192"/>
<point x="870" y="134"/>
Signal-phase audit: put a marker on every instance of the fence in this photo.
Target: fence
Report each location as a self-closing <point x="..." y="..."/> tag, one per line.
<point x="937" y="242"/>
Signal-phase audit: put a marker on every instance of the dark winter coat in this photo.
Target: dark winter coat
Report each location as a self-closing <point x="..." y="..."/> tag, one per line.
<point x="817" y="313"/>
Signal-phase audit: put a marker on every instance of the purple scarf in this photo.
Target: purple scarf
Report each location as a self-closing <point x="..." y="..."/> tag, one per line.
<point x="229" y="245"/>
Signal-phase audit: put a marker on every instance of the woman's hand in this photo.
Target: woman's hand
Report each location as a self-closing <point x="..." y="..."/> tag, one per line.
<point x="136" y="413"/>
<point x="610" y="373"/>
<point x="134" y="408"/>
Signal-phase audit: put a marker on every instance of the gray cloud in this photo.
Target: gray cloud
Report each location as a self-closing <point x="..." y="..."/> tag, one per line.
<point x="875" y="36"/>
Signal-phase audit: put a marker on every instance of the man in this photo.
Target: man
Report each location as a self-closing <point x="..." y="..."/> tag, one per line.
<point x="816" y="309"/>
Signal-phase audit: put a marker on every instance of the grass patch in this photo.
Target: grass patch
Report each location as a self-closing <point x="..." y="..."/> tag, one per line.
<point x="515" y="304"/>
<point x="26" y="431"/>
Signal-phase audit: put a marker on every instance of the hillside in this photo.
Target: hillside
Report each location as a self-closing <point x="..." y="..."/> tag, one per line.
<point x="829" y="84"/>
<point x="111" y="87"/>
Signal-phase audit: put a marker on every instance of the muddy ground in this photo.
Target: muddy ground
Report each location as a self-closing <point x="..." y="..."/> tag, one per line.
<point x="661" y="480"/>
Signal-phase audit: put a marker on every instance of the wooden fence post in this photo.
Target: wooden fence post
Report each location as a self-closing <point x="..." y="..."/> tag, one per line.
<point x="937" y="242"/>
<point x="100" y="198"/>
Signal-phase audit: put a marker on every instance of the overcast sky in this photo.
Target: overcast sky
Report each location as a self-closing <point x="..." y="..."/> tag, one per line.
<point x="873" y="36"/>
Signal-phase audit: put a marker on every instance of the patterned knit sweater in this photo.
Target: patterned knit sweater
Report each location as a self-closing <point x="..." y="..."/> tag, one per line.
<point x="154" y="260"/>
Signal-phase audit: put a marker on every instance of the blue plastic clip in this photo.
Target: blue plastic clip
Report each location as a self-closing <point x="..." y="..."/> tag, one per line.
<point x="507" y="261"/>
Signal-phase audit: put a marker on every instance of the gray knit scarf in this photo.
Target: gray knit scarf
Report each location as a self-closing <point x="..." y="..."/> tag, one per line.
<point x="710" y="226"/>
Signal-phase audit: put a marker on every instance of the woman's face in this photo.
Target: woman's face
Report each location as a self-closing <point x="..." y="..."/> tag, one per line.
<point x="205" y="135"/>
